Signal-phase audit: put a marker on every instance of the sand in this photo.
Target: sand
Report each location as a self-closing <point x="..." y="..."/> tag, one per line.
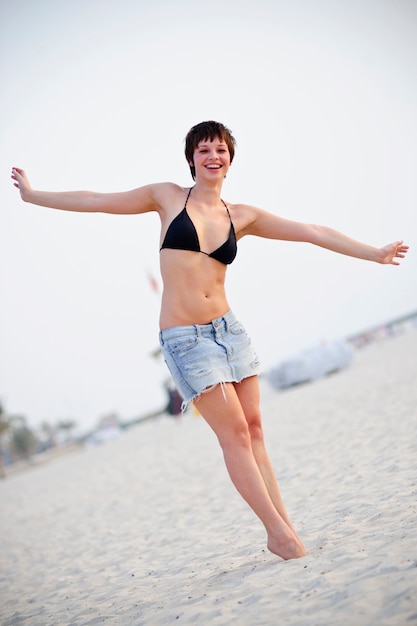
<point x="148" y="530"/>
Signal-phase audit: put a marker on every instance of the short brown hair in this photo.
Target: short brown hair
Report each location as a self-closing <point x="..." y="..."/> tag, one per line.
<point x="207" y="130"/>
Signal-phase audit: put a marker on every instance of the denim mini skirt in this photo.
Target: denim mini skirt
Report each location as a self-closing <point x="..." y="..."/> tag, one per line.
<point x="202" y="356"/>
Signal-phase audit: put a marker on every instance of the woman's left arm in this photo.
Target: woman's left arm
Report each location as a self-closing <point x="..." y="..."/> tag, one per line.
<point x="264" y="224"/>
<point x="331" y="239"/>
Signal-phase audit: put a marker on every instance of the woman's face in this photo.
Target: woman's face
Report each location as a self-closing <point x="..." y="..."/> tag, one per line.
<point x="211" y="159"/>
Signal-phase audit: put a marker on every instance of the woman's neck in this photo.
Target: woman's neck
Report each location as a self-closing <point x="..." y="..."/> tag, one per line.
<point x="209" y="193"/>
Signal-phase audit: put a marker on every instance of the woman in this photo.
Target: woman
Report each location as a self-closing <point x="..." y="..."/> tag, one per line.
<point x="206" y="349"/>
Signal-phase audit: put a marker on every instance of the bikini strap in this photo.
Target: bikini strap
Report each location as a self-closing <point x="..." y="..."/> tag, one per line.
<point x="188" y="195"/>
<point x="185" y="205"/>
<point x="226" y="209"/>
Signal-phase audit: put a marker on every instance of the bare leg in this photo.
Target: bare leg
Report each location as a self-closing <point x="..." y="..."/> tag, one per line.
<point x="248" y="394"/>
<point x="227" y="419"/>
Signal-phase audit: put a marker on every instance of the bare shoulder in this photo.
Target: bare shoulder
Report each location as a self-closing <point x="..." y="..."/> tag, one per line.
<point x="152" y="197"/>
<point x="244" y="217"/>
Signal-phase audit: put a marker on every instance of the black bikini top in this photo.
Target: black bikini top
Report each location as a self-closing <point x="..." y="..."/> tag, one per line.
<point x="182" y="235"/>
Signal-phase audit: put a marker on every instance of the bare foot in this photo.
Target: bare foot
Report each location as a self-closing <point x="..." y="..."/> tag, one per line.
<point x="291" y="527"/>
<point x="287" y="548"/>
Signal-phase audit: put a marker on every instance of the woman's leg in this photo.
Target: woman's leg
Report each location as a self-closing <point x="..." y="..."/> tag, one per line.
<point x="223" y="412"/>
<point x="248" y="394"/>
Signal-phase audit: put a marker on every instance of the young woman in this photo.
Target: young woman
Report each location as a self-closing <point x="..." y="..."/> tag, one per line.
<point x="205" y="347"/>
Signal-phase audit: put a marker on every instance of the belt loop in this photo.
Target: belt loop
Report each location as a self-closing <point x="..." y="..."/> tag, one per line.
<point x="161" y="341"/>
<point x="197" y="330"/>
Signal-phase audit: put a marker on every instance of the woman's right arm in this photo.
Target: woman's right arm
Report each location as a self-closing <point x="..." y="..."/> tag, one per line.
<point x="140" y="200"/>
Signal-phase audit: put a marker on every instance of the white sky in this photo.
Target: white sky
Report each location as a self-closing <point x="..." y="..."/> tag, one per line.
<point x="322" y="98"/>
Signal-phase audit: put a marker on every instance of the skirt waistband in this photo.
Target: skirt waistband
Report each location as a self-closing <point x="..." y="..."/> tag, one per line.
<point x="218" y="323"/>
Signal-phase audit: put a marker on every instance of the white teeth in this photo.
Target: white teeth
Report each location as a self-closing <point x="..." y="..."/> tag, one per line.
<point x="213" y="167"/>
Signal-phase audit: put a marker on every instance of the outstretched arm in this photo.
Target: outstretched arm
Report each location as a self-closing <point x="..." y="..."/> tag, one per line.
<point x="338" y="242"/>
<point x="139" y="200"/>
<point x="265" y="224"/>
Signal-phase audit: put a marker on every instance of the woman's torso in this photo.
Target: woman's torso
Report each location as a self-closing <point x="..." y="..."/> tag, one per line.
<point x="193" y="281"/>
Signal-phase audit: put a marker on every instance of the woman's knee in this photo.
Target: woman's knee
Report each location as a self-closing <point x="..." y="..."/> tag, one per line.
<point x="255" y="426"/>
<point x="236" y="435"/>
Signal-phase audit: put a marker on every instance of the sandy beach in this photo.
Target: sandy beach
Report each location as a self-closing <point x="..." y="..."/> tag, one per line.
<point x="148" y="529"/>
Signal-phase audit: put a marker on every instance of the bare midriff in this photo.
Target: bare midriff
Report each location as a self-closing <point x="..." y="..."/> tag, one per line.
<point x="193" y="288"/>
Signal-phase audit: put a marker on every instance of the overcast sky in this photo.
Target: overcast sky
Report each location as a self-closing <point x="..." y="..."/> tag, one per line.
<point x="321" y="96"/>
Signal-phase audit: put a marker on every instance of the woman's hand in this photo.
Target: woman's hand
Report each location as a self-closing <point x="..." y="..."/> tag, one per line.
<point x="21" y="182"/>
<point x="393" y="251"/>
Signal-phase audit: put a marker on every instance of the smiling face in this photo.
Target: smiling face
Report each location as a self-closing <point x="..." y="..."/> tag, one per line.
<point x="211" y="159"/>
<point x="209" y="138"/>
